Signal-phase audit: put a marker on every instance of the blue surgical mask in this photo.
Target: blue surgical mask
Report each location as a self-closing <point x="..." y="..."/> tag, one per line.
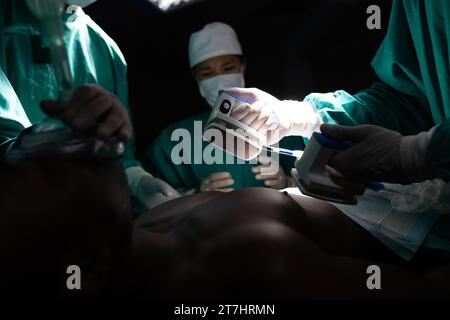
<point x="209" y="88"/>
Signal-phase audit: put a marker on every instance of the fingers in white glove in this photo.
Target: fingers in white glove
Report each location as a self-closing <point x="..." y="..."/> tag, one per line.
<point x="218" y="181"/>
<point x="293" y="117"/>
<point x="168" y="191"/>
<point x="164" y="188"/>
<point x="240" y="112"/>
<point x="271" y="173"/>
<point x="154" y="200"/>
<point x="297" y="118"/>
<point x="258" y="116"/>
<point x="279" y="182"/>
<point x="265" y="118"/>
<point x="253" y="114"/>
<point x="153" y="191"/>
<point x="218" y="184"/>
<point x="225" y="190"/>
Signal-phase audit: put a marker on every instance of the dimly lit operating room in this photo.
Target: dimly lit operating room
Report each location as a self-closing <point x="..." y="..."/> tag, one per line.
<point x="221" y="150"/>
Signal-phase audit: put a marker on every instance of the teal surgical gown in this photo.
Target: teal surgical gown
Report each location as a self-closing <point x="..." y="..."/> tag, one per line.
<point x="12" y="116"/>
<point x="413" y="64"/>
<point x="93" y="56"/>
<point x="185" y="176"/>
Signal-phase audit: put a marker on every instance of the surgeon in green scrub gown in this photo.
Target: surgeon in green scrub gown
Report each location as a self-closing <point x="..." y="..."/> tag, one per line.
<point x="215" y="56"/>
<point x="408" y="139"/>
<point x="27" y="67"/>
<point x="94" y="59"/>
<point x="413" y="64"/>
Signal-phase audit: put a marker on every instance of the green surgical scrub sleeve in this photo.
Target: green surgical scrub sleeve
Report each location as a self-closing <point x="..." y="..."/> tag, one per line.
<point x="93" y="56"/>
<point x="413" y="64"/>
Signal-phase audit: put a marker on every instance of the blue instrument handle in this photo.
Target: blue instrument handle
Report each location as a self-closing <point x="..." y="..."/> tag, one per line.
<point x="328" y="142"/>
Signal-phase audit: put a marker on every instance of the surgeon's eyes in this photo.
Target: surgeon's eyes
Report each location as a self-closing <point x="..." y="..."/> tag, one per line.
<point x="230" y="67"/>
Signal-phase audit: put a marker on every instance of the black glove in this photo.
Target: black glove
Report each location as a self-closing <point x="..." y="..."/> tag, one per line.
<point x="379" y="154"/>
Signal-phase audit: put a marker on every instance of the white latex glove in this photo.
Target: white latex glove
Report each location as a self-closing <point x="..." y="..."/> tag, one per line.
<point x="272" y="174"/>
<point x="218" y="181"/>
<point x="150" y="191"/>
<point x="294" y="118"/>
<point x="153" y="191"/>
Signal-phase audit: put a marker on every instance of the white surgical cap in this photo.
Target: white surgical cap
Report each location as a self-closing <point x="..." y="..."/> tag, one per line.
<point x="215" y="39"/>
<point x="80" y="3"/>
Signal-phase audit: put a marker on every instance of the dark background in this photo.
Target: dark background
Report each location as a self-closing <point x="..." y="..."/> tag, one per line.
<point x="293" y="47"/>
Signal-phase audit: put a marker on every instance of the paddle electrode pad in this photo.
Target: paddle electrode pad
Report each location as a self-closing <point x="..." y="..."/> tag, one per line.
<point x="230" y="134"/>
<point x="312" y="178"/>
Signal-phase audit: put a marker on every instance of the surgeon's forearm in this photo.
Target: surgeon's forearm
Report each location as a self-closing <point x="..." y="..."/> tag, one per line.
<point x="128" y="159"/>
<point x="379" y="105"/>
<point x="133" y="168"/>
<point x="134" y="175"/>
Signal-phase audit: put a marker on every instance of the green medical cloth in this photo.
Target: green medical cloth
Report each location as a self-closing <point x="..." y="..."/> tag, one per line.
<point x="12" y="116"/>
<point x="185" y="177"/>
<point x="93" y="56"/>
